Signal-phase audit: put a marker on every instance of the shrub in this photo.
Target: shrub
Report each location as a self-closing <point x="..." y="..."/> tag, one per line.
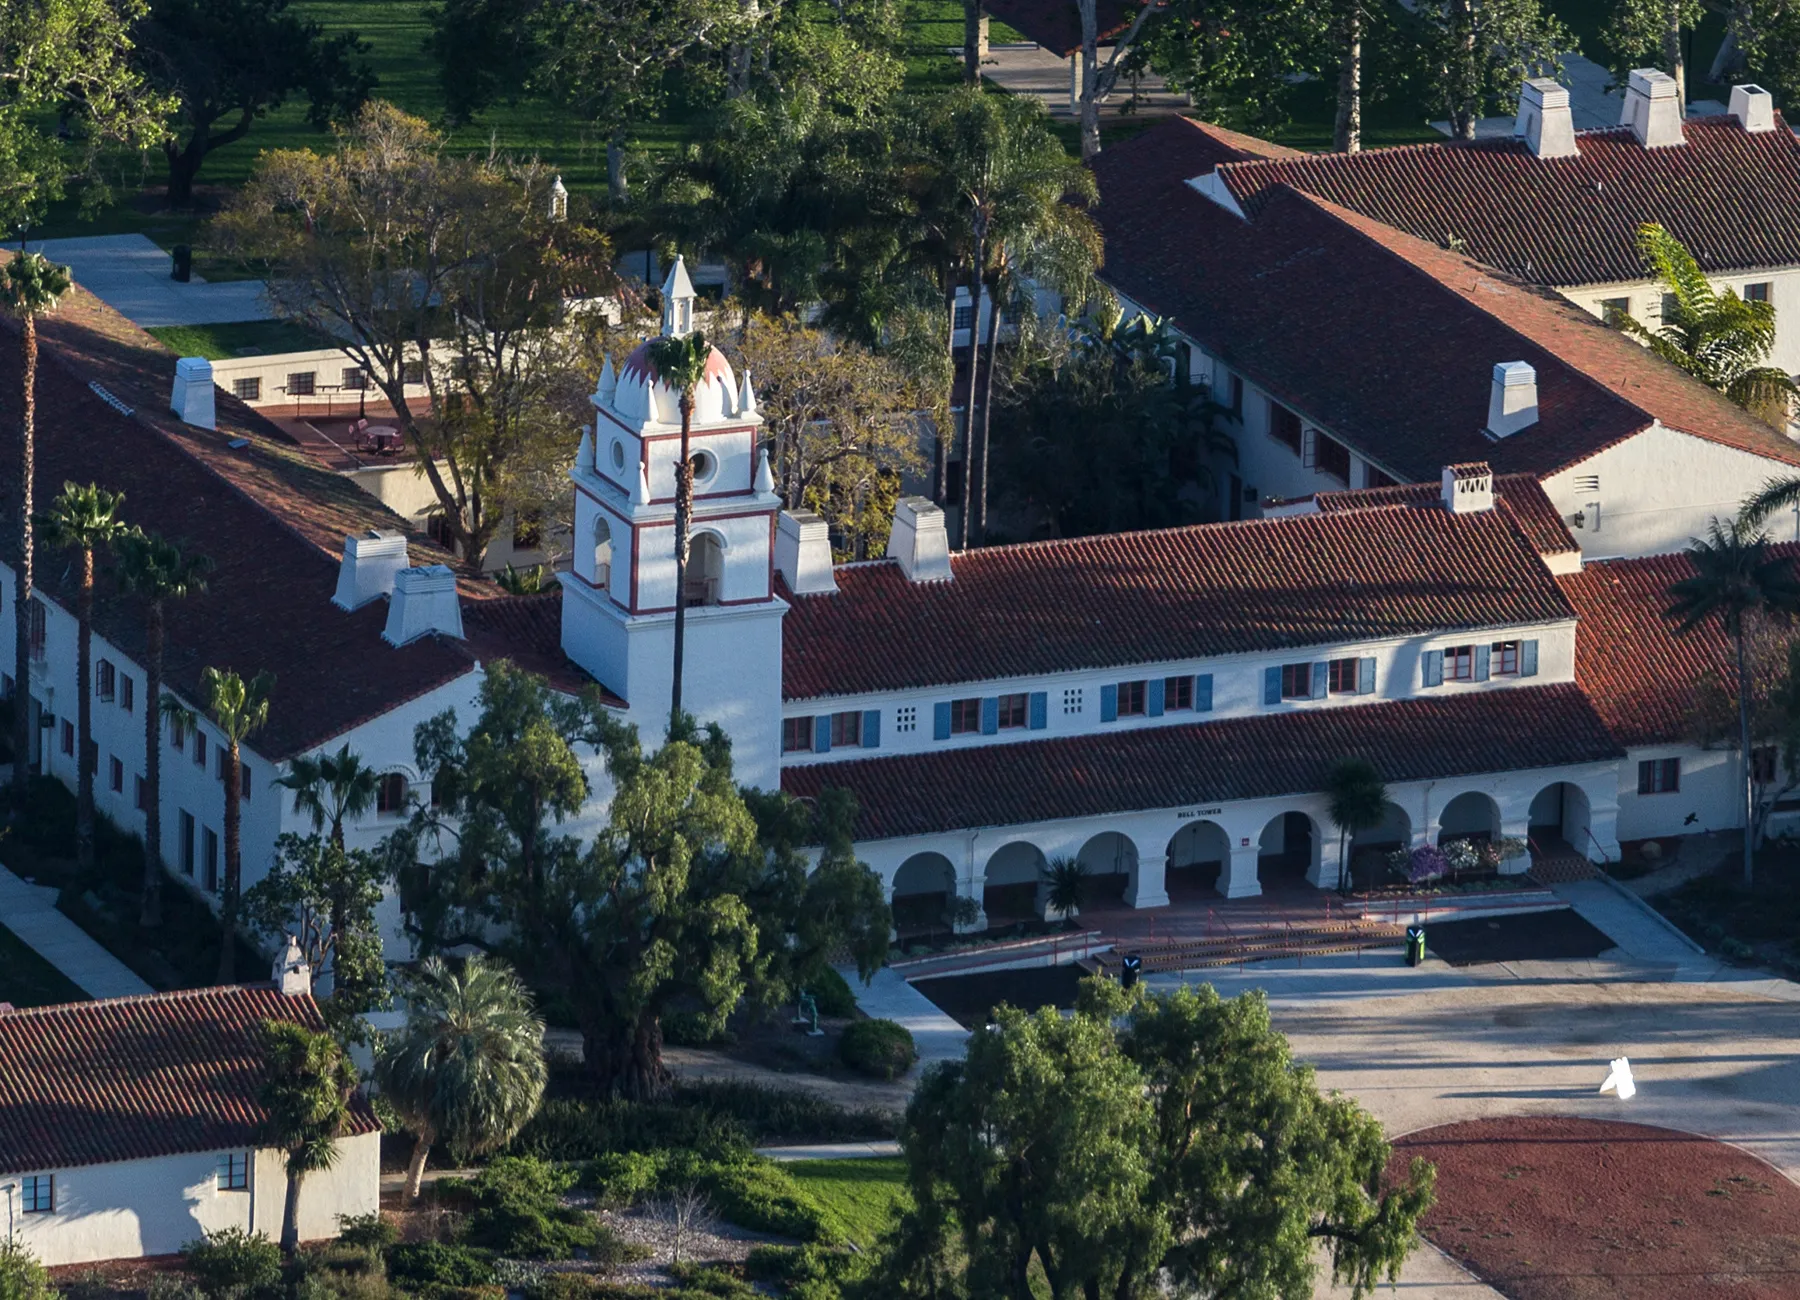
<point x="519" y="1211"/>
<point x="433" y="1263"/>
<point x="756" y="1194"/>
<point x="878" y="1048"/>
<point x="563" y="1286"/>
<point x="767" y="1114"/>
<point x="833" y="994"/>
<point x="625" y="1177"/>
<point x="700" y="1280"/>
<point x="367" y="1231"/>
<point x="167" y="1286"/>
<point x="231" y="1263"/>
<point x="21" y="1276"/>
<point x="691" y="1029"/>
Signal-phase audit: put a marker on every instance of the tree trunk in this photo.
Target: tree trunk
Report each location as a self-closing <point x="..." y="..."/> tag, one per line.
<point x="415" y="1168"/>
<point x="1347" y="136"/>
<point x="987" y="401"/>
<point x="22" y="605"/>
<point x="1673" y="56"/>
<point x="684" y="508"/>
<point x="968" y="438"/>
<point x="150" y="914"/>
<point x="1743" y="676"/>
<point x="973" y="13"/>
<point x="184" y="166"/>
<point x="290" y="1214"/>
<point x="1090" y="80"/>
<point x="234" y="866"/>
<point x="946" y="438"/>
<point x="626" y="1061"/>
<point x="1464" y="81"/>
<point x="84" y="723"/>
<point x="617" y="188"/>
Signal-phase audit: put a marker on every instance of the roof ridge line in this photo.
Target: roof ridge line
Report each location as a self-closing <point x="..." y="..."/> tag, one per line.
<point x="154" y="995"/>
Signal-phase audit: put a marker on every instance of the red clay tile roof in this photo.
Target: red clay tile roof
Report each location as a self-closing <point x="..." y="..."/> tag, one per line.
<point x="1730" y="195"/>
<point x="130" y="1078"/>
<point x="1286" y="300"/>
<point x="1454" y="734"/>
<point x="1179" y="593"/>
<point x="528" y="631"/>
<point x="1520" y="495"/>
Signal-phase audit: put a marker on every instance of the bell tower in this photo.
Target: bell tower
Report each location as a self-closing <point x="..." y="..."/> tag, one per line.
<point x="619" y="599"/>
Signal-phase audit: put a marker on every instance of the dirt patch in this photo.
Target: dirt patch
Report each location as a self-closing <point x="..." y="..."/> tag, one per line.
<point x="970" y="999"/>
<point x="1570" y="1209"/>
<point x="1537" y="936"/>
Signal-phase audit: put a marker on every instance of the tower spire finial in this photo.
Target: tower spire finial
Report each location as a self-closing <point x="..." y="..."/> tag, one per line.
<point x="678" y="301"/>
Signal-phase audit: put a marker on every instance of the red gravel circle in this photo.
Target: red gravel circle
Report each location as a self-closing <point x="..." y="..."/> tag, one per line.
<point x="1576" y="1209"/>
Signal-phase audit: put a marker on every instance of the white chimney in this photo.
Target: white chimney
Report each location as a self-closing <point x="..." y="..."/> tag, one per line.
<point x="1513" y="399"/>
<point x="424" y="601"/>
<point x="1468" y="488"/>
<point x="803" y="553"/>
<point x="1753" y="107"/>
<point x="291" y="975"/>
<point x="368" y="567"/>
<point x="920" y="541"/>
<point x="1653" y="109"/>
<point x="1545" y="122"/>
<point x="192" y="398"/>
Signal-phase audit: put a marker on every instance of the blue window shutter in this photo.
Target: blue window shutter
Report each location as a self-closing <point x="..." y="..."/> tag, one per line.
<point x="1203" y="693"/>
<point x="822" y="734"/>
<point x="990" y="715"/>
<point x="1365" y="677"/>
<point x="1433" y="666"/>
<point x="1272" y="685"/>
<point x="1481" y="661"/>
<point x="1321" y="675"/>
<point x="871" y="729"/>
<point x="1109" y="703"/>
<point x="1528" y="658"/>
<point x="1153" y="697"/>
<point x="1040" y="710"/>
<point x="940" y="720"/>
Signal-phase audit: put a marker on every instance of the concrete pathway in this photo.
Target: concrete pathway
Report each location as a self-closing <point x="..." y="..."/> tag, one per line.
<point x="890" y="997"/>
<point x="30" y="912"/>
<point x="130" y="274"/>
<point x="831" y="1151"/>
<point x="1031" y="70"/>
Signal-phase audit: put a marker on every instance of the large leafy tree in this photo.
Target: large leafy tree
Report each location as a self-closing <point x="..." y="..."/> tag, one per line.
<point x="1735" y="579"/>
<point x="1653" y="34"/>
<point x="84" y="519"/>
<point x="467" y="1068"/>
<point x="1768" y="34"/>
<point x="229" y="62"/>
<point x="438" y="269"/>
<point x="325" y="896"/>
<point x="1476" y="52"/>
<point x="1179" y="1150"/>
<point x="306" y="1094"/>
<point x="1236" y="60"/>
<point x="156" y="571"/>
<point x="680" y="362"/>
<point x="1719" y="338"/>
<point x="239" y="709"/>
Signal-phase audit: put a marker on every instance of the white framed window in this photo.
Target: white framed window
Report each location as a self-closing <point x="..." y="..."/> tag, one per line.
<point x="1072" y="699"/>
<point x="906" y="718"/>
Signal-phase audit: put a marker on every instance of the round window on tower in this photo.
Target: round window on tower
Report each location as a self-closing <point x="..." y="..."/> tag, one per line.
<point x="705" y="466"/>
<point x="618" y="454"/>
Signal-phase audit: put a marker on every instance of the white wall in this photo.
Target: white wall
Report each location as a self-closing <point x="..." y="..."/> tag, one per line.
<point x="1646" y="304"/>
<point x="1709" y="793"/>
<point x="327" y="365"/>
<point x="135" y="1208"/>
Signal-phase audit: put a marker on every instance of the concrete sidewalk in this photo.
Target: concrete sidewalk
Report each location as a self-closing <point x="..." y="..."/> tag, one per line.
<point x="889" y="997"/>
<point x="830" y="1151"/>
<point x="30" y="912"/>
<point x="130" y="274"/>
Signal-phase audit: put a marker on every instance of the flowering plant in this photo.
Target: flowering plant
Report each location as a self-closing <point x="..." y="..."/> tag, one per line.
<point x="1462" y="855"/>
<point x="1426" y="864"/>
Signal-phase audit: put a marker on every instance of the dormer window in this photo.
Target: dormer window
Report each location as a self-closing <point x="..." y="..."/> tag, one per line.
<point x="1459" y="663"/>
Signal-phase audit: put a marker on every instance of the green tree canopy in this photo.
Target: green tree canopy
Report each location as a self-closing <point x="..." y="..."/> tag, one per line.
<point x="325" y="896"/>
<point x="306" y="1092"/>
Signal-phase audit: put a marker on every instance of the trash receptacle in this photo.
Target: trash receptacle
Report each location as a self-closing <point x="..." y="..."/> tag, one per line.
<point x="1415" y="945"/>
<point x="184" y="264"/>
<point x="1130" y="970"/>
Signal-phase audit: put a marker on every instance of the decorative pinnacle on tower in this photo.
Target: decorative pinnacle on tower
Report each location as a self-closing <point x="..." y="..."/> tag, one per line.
<point x="678" y="301"/>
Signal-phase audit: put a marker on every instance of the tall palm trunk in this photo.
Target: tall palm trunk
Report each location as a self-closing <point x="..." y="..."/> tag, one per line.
<point x="22" y="606"/>
<point x="1089" y="54"/>
<point x="1743" y="676"/>
<point x="84" y="721"/>
<point x="415" y="1166"/>
<point x="684" y="509"/>
<point x="973" y="17"/>
<point x="987" y="402"/>
<point x="234" y="877"/>
<point x="968" y="438"/>
<point x="151" y="914"/>
<point x="946" y="437"/>
<point x="290" y="1213"/>
<point x="1347" y="136"/>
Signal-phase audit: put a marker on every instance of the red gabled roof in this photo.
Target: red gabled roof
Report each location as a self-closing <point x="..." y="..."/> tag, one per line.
<point x="1173" y="594"/>
<point x="1728" y="194"/>
<point x="88" y="1083"/>
<point x="527" y="630"/>
<point x="1448" y="734"/>
<point x="1520" y="495"/>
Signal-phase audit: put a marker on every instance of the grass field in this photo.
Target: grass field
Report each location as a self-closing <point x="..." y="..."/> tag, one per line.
<point x="866" y="1196"/>
<point x="246" y="338"/>
<point x="27" y="980"/>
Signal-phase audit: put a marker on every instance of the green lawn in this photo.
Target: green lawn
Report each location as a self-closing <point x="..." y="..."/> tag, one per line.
<point x="27" y="980"/>
<point x="245" y="338"/>
<point x="866" y="1196"/>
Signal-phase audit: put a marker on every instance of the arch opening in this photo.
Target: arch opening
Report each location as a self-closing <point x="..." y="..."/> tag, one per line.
<point x="1013" y="873"/>
<point x="1198" y="853"/>
<point x="603" y="548"/>
<point x="1286" y="851"/>
<point x="705" y="570"/>
<point x="1559" y="821"/>
<point x="923" y="887"/>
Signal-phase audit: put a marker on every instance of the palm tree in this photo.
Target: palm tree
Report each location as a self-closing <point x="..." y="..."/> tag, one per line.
<point x="238" y="709"/>
<point x="31" y="287"/>
<point x="84" y="519"/>
<point x="467" y="1068"/>
<point x="680" y="363"/>
<point x="156" y="572"/>
<point x="331" y="789"/>
<point x="1716" y="336"/>
<point x="1735" y="578"/>
<point x="307" y="1096"/>
<point x="1065" y="885"/>
<point x="1357" y="802"/>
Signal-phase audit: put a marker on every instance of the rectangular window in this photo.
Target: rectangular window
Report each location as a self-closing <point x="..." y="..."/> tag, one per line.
<point x="1133" y="699"/>
<point x="965" y="717"/>
<point x="965" y="315"/>
<point x="247" y="390"/>
<point x="1178" y="694"/>
<point x="302" y="382"/>
<point x="234" y="1171"/>
<point x="143" y="794"/>
<point x="1234" y="387"/>
<point x="1331" y="457"/>
<point x="412" y="372"/>
<point x="1072" y="699"/>
<point x="1296" y="681"/>
<point x="1503" y="659"/>
<point x="846" y="729"/>
<point x="127" y="693"/>
<point x="1659" y="776"/>
<point x="906" y="718"/>
<point x="39" y="623"/>
<point x="390" y="793"/>
<point x="200" y="750"/>
<point x="1670" y="305"/>
<point x="209" y="844"/>
<point x="177" y="733"/>
<point x="797" y="735"/>
<point x="68" y="736"/>
<point x="1459" y="663"/>
<point x="1284" y="426"/>
<point x="115" y="771"/>
<point x="1374" y="478"/>
<point x="106" y="681"/>
<point x="953" y="471"/>
<point x="354" y="379"/>
<point x="1610" y="307"/>
<point x="244" y="781"/>
<point x="1762" y="764"/>
<point x="187" y="843"/>
<point x="1341" y="676"/>
<point x="219" y="764"/>
<point x="1757" y="292"/>
<point x="37" y="1193"/>
<point x="1014" y="712"/>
